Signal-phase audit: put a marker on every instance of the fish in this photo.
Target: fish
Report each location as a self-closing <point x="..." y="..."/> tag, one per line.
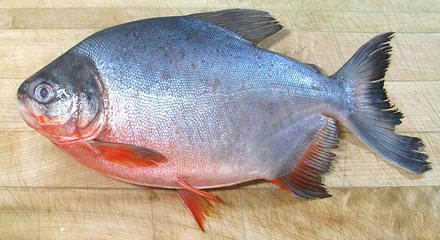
<point x="193" y="103"/>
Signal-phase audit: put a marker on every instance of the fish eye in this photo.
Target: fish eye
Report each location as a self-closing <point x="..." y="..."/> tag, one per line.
<point x="43" y="93"/>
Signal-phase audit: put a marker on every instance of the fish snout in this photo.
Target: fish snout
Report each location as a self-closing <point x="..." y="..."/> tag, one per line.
<point x="27" y="116"/>
<point x="22" y="90"/>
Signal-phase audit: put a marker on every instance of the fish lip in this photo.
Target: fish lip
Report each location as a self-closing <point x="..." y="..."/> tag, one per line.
<point x="22" y="105"/>
<point x="25" y="114"/>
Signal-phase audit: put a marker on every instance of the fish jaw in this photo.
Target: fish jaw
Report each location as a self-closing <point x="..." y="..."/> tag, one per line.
<point x="44" y="125"/>
<point x="68" y="132"/>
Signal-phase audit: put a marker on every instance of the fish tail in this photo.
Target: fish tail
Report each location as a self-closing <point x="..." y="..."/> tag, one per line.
<point x="372" y="118"/>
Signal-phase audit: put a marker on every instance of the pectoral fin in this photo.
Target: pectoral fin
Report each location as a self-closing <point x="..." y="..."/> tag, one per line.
<point x="127" y="155"/>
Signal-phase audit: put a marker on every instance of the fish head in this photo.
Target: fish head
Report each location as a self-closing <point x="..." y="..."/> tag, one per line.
<point x="64" y="100"/>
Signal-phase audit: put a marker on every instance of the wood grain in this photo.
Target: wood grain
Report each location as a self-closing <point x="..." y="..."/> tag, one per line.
<point x="295" y="19"/>
<point x="46" y="194"/>
<point x="310" y="5"/>
<point x="387" y="213"/>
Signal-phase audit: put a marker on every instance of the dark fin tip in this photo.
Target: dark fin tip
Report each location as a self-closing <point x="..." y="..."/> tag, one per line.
<point x="305" y="180"/>
<point x="252" y="25"/>
<point x="374" y="118"/>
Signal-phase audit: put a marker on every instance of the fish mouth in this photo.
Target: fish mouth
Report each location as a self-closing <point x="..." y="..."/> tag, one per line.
<point x="53" y="132"/>
<point x="32" y="120"/>
<point x="27" y="116"/>
<point x="22" y="106"/>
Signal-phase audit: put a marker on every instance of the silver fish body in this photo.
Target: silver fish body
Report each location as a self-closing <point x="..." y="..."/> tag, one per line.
<point x="221" y="110"/>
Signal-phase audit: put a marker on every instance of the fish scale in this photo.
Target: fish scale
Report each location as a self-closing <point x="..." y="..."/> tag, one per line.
<point x="191" y="103"/>
<point x="202" y="114"/>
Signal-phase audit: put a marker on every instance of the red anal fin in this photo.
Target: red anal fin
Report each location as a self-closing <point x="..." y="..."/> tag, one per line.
<point x="199" y="192"/>
<point x="128" y="155"/>
<point x="305" y="180"/>
<point x="197" y="204"/>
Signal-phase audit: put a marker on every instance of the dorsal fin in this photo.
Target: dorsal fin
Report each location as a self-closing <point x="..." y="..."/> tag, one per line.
<point x="305" y="180"/>
<point x="253" y="25"/>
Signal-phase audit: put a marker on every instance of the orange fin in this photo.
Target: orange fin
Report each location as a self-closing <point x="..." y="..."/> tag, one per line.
<point x="305" y="180"/>
<point x="199" y="192"/>
<point x="198" y="205"/>
<point x="279" y="183"/>
<point x="196" y="200"/>
<point x="128" y="155"/>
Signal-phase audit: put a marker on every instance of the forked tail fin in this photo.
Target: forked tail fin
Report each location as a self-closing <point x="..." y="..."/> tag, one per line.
<point x="373" y="118"/>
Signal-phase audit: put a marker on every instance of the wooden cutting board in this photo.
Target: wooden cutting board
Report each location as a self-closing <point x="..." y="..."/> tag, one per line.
<point x="45" y="194"/>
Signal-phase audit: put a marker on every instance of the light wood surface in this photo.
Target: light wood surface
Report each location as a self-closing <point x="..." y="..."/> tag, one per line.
<point x="45" y="194"/>
<point x="60" y="213"/>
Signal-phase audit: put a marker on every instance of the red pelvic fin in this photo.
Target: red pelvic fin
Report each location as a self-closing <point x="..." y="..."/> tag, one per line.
<point x="128" y="155"/>
<point x="305" y="180"/>
<point x="199" y="192"/>
<point x="197" y="201"/>
<point x="279" y="183"/>
<point x="198" y="205"/>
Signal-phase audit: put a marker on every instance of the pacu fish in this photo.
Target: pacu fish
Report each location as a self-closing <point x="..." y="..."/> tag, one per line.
<point x="192" y="103"/>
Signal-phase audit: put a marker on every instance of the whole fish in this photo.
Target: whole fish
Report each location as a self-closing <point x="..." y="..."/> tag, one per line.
<point x="190" y="103"/>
